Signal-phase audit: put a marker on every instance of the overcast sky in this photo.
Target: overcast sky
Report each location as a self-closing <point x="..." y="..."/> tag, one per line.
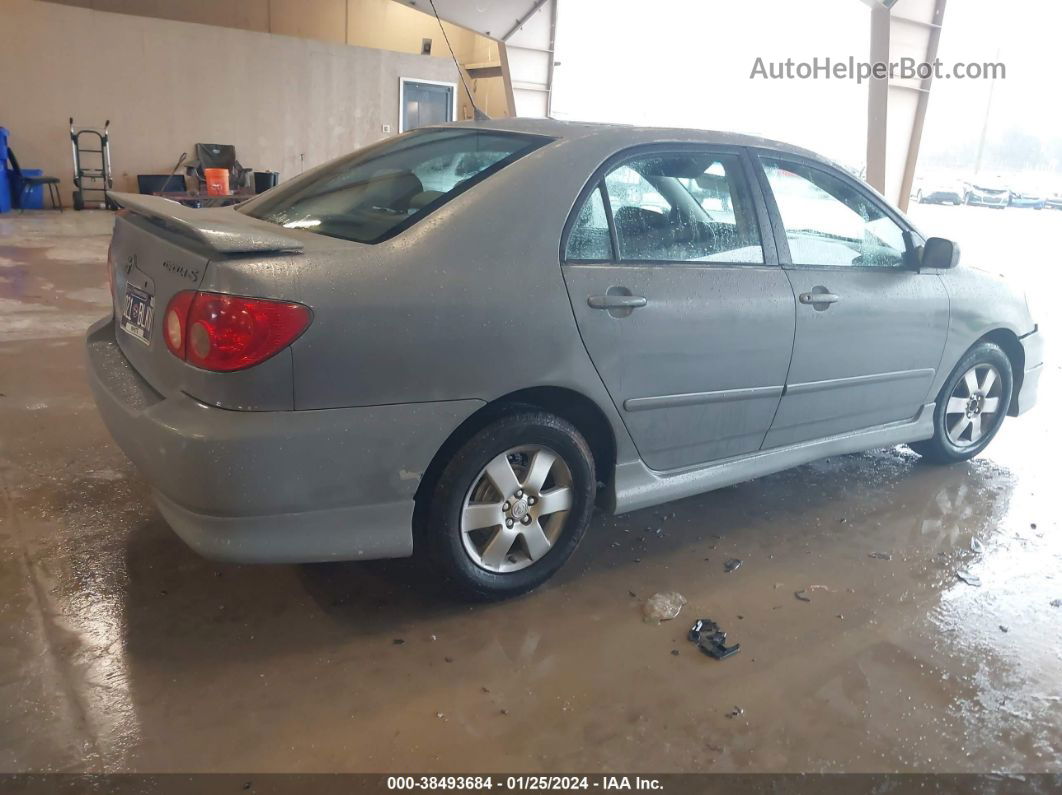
<point x="1024" y="35"/>
<point x="687" y="63"/>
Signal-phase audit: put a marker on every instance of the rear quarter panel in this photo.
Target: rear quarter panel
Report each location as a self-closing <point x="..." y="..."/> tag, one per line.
<point x="468" y="303"/>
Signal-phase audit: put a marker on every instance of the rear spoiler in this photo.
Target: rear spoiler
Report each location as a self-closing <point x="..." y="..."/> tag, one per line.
<point x="228" y="233"/>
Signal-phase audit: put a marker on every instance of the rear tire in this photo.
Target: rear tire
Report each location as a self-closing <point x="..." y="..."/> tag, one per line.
<point x="971" y="406"/>
<point x="492" y="544"/>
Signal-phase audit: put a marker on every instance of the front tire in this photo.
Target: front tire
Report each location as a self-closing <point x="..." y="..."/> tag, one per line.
<point x="511" y="506"/>
<point x="971" y="406"/>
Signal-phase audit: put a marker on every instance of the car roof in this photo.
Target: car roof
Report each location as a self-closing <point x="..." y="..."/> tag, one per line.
<point x="623" y="135"/>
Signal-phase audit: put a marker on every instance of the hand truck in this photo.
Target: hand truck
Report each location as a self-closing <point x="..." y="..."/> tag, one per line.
<point x="86" y="179"/>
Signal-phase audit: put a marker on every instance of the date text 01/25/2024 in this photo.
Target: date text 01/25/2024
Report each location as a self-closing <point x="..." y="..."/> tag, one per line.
<point x="519" y="783"/>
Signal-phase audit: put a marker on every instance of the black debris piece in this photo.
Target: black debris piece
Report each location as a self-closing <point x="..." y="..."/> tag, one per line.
<point x="731" y="564"/>
<point x="1003" y="628"/>
<point x="674" y="652"/>
<point x="802" y="596"/>
<point x="735" y="712"/>
<point x="710" y="639"/>
<point x="880" y="556"/>
<point x="398" y="641"/>
<point x="1056" y="603"/>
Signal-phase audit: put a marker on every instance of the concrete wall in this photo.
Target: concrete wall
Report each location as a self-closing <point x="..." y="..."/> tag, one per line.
<point x="286" y="103"/>
<point x="381" y="24"/>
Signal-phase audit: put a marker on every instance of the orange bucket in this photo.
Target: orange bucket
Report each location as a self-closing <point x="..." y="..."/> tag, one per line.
<point x="217" y="181"/>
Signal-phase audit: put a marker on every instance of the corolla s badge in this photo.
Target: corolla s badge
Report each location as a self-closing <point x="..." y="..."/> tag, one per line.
<point x="192" y="274"/>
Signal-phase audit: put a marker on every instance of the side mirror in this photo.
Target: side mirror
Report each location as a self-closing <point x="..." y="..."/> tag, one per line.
<point x="940" y="253"/>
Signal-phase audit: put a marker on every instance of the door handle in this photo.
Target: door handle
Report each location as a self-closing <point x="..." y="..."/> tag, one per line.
<point x="615" y="301"/>
<point x="819" y="298"/>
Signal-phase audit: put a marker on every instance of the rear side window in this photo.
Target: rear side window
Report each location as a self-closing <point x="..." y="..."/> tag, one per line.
<point x="671" y="207"/>
<point x="375" y="193"/>
<point x="589" y="238"/>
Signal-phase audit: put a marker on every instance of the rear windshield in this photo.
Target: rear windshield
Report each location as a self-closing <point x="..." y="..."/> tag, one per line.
<point x="377" y="192"/>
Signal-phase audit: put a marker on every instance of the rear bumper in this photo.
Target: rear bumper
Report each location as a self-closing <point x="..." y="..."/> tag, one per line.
<point x="273" y="486"/>
<point x="362" y="532"/>
<point x="1025" y="398"/>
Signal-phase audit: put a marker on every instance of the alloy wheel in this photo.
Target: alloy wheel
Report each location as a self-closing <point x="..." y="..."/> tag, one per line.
<point x="516" y="509"/>
<point x="974" y="408"/>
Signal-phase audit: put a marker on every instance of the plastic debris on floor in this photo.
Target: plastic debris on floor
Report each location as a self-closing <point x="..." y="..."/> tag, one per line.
<point x="711" y="640"/>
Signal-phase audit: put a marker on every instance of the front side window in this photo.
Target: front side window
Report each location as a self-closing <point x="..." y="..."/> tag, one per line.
<point x="375" y="193"/>
<point x="829" y="222"/>
<point x="683" y="207"/>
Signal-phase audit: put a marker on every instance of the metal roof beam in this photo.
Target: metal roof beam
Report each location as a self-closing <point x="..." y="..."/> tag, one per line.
<point x="525" y="31"/>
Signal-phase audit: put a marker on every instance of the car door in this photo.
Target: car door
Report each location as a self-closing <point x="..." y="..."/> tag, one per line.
<point x="680" y="301"/>
<point x="870" y="328"/>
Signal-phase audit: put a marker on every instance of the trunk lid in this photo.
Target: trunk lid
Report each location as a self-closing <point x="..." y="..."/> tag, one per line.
<point x="160" y="248"/>
<point x="151" y="265"/>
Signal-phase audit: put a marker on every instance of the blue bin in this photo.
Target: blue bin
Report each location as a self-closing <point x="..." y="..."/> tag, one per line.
<point x="5" y="192"/>
<point x="5" y="184"/>
<point x="33" y="199"/>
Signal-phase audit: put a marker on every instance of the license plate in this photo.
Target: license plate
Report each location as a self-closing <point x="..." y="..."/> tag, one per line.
<point x="138" y="312"/>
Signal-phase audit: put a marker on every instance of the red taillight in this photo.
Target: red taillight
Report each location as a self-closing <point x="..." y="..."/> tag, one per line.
<point x="174" y="324"/>
<point x="229" y="332"/>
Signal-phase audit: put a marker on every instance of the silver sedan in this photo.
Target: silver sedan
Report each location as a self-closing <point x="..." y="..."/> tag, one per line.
<point x="460" y="340"/>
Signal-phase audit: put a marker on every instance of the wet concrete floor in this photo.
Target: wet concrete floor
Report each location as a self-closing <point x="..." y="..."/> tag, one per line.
<point x="121" y="650"/>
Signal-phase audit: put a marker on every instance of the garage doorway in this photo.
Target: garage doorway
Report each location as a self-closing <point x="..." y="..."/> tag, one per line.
<point x="424" y="102"/>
